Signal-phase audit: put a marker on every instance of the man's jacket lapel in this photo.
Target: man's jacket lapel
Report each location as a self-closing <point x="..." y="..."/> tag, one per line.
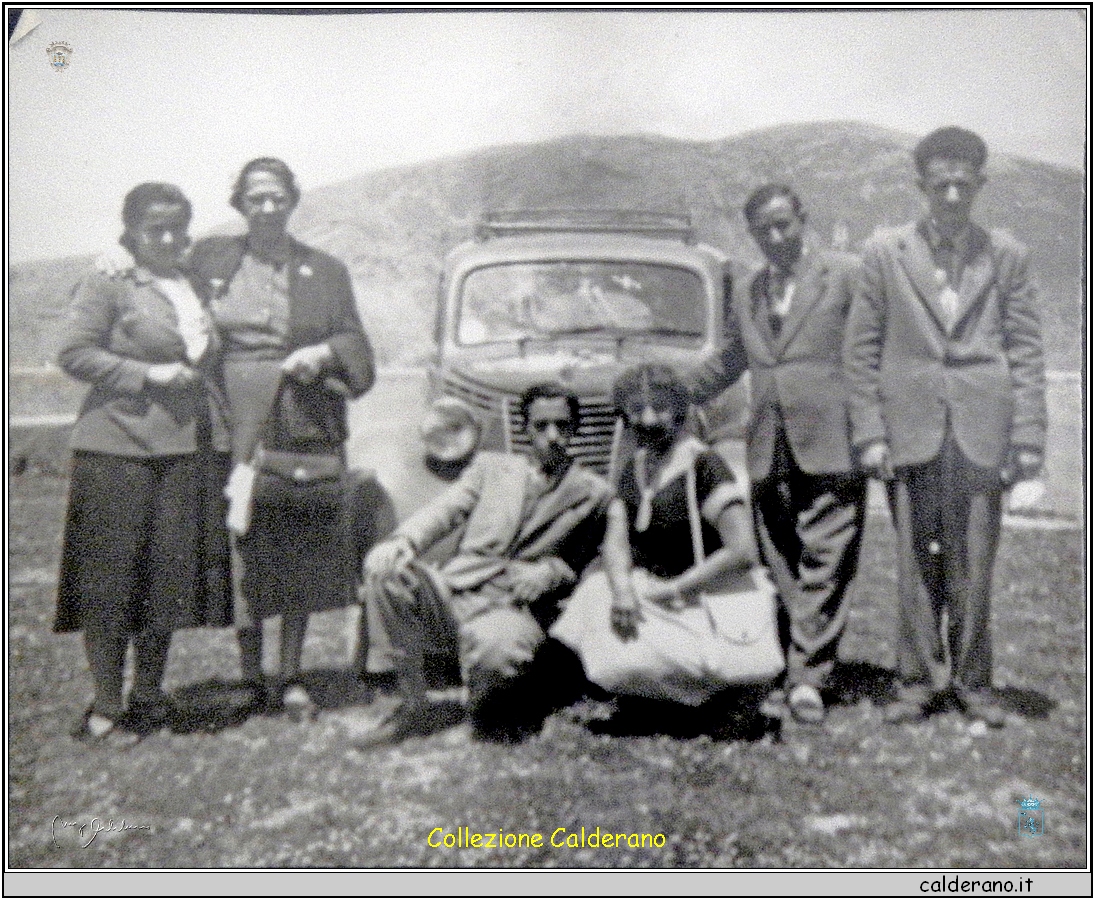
<point x="556" y="513"/>
<point x="919" y="267"/>
<point x="978" y="273"/>
<point x="754" y="320"/>
<point x="809" y="289"/>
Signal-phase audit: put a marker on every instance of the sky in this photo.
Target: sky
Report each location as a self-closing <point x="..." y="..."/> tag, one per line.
<point x="189" y="97"/>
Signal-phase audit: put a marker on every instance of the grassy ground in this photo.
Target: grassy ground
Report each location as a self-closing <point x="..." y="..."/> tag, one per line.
<point x="230" y="791"/>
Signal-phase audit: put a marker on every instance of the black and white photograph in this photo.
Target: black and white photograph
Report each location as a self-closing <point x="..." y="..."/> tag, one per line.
<point x="450" y="445"/>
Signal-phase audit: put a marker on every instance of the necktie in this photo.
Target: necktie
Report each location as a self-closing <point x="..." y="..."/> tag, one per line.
<point x="948" y="275"/>
<point x="778" y="300"/>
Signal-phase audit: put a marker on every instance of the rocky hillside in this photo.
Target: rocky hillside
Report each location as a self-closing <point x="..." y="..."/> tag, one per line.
<point x="393" y="227"/>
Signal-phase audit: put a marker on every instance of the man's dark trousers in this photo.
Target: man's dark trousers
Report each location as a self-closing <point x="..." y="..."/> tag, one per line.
<point x="809" y="529"/>
<point x="947" y="516"/>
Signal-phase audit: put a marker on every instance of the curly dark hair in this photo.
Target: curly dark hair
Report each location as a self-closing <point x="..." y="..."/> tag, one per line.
<point x="549" y="391"/>
<point x="951" y="143"/>
<point x="765" y="194"/>
<point x="640" y="380"/>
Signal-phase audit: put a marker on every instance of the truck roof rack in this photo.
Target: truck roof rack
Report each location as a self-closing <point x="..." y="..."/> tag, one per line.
<point x="500" y="223"/>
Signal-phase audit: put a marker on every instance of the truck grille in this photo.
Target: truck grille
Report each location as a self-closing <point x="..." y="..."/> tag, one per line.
<point x="592" y="445"/>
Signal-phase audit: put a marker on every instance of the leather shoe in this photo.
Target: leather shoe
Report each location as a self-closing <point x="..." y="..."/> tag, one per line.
<point x="257" y="700"/>
<point x="981" y="706"/>
<point x="298" y="705"/>
<point x="774" y="706"/>
<point x="149" y="714"/>
<point x="95" y="728"/>
<point x="92" y="727"/>
<point x="407" y="719"/>
<point x="806" y="704"/>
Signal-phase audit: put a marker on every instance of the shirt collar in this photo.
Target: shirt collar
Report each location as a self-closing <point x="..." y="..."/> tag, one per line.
<point x="930" y="231"/>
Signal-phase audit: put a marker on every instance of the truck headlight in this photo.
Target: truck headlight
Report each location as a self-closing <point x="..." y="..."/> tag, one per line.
<point x="450" y="432"/>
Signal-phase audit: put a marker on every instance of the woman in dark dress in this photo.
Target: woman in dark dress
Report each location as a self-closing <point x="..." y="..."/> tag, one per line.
<point x="294" y="351"/>
<point x="677" y="556"/>
<point x="649" y="547"/>
<point x="145" y="550"/>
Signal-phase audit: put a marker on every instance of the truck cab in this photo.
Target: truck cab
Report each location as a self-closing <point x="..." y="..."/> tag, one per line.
<point x="572" y="296"/>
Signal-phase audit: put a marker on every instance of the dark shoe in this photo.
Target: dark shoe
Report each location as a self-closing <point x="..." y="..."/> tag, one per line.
<point x="407" y="719"/>
<point x="149" y="714"/>
<point x="806" y="704"/>
<point x="257" y="701"/>
<point x="380" y="682"/>
<point x="904" y="712"/>
<point x="298" y="705"/>
<point x="981" y="706"/>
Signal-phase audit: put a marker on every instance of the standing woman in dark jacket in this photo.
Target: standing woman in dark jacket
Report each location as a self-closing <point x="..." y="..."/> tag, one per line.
<point x="294" y="350"/>
<point x="145" y="550"/>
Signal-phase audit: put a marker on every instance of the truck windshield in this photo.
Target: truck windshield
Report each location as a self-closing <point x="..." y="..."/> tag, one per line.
<point x="522" y="301"/>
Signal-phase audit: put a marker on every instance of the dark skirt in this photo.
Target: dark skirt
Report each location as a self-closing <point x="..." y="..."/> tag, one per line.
<point x="145" y="544"/>
<point x="307" y="540"/>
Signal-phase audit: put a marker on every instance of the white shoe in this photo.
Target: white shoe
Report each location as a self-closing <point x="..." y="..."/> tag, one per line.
<point x="298" y="705"/>
<point x="806" y="704"/>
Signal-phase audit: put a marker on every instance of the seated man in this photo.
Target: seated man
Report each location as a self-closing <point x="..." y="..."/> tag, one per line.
<point x="529" y="528"/>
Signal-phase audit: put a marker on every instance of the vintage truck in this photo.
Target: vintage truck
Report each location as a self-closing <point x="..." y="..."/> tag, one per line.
<point x="574" y="296"/>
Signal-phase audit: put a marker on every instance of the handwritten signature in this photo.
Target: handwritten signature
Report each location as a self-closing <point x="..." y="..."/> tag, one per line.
<point x="88" y="831"/>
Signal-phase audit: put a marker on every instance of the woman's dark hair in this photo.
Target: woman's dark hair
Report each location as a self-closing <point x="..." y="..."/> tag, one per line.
<point x="150" y="193"/>
<point x="265" y="164"/>
<point x="644" y="379"/>
<point x="550" y="391"/>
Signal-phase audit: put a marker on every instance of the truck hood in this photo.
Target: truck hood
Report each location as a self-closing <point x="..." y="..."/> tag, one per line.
<point x="586" y="370"/>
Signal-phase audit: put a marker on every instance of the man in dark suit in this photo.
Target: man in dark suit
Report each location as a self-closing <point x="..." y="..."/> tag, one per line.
<point x="944" y="353"/>
<point x="786" y="325"/>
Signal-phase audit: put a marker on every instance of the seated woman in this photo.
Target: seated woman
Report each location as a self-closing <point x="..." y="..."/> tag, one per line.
<point x="145" y="548"/>
<point x="682" y="608"/>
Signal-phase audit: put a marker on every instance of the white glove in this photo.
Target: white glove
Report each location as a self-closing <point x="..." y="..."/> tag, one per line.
<point x="176" y="374"/>
<point x="238" y="490"/>
<point x="305" y="363"/>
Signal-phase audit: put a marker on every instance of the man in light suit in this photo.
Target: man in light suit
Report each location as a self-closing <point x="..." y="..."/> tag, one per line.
<point x="786" y="325"/>
<point x="527" y="530"/>
<point x="944" y="353"/>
